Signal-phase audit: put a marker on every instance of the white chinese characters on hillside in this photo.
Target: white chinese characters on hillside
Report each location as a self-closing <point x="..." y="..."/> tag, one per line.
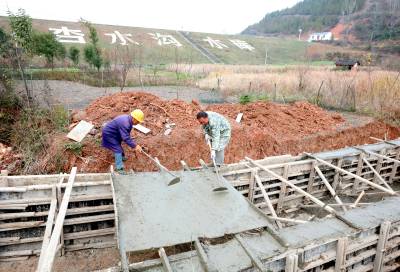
<point x="242" y="45"/>
<point x="123" y="39"/>
<point x="165" y="39"/>
<point x="215" y="43"/>
<point x="66" y="35"/>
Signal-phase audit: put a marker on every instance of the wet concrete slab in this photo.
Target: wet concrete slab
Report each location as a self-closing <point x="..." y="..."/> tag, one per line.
<point x="152" y="214"/>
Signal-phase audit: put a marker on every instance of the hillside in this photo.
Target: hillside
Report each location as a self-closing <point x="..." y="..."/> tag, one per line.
<point x="352" y="20"/>
<point x="160" y="46"/>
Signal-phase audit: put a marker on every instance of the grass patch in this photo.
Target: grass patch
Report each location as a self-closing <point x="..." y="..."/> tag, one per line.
<point x="253" y="97"/>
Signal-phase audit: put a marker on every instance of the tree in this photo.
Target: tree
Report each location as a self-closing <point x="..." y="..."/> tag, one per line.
<point x="46" y="44"/>
<point x="74" y="55"/>
<point x="21" y="28"/>
<point x="92" y="56"/>
<point x="92" y="51"/>
<point x="124" y="62"/>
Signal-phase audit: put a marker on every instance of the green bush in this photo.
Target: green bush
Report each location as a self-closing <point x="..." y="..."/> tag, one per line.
<point x="244" y="99"/>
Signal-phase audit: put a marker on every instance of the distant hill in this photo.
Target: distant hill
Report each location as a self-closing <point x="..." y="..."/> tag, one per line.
<point x="352" y="20"/>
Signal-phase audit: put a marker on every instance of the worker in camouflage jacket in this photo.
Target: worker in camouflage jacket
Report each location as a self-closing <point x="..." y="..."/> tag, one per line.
<point x="217" y="132"/>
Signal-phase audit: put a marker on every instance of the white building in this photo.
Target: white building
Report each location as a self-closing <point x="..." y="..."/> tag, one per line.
<point x="321" y="36"/>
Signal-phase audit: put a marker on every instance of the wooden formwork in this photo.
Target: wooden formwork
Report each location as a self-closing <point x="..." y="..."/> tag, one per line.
<point x="25" y="203"/>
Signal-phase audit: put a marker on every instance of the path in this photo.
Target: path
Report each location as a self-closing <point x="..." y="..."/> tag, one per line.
<point x="75" y="95"/>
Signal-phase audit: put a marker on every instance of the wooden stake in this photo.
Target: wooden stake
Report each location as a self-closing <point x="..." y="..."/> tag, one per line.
<point x="360" y="166"/>
<point x="337" y="174"/>
<point x="377" y="175"/>
<point x="353" y="175"/>
<point x="203" y="257"/>
<point x="291" y="263"/>
<point x="358" y="199"/>
<point x="301" y="191"/>
<point x="283" y="191"/>
<point x="330" y="189"/>
<point x="253" y="257"/>
<point x="267" y="200"/>
<point x="394" y="168"/>
<point x="377" y="155"/>
<point x="164" y="260"/>
<point x="341" y="254"/>
<point x="252" y="182"/>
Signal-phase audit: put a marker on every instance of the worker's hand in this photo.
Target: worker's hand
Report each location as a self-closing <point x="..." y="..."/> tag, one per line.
<point x="213" y="154"/>
<point x="138" y="149"/>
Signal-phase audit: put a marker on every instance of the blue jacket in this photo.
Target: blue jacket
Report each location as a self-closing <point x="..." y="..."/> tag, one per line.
<point x="116" y="131"/>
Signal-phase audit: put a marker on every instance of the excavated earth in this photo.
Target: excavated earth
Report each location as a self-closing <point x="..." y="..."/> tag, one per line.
<point x="266" y="129"/>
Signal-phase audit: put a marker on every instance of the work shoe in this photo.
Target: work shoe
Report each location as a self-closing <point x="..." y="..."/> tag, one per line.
<point x="121" y="172"/>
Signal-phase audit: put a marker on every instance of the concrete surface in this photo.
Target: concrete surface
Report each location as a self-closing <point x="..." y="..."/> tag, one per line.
<point x="153" y="215"/>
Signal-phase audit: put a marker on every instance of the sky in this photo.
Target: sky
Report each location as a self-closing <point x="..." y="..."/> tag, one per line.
<point x="212" y="16"/>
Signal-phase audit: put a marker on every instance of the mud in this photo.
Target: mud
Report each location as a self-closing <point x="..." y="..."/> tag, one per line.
<point x="266" y="129"/>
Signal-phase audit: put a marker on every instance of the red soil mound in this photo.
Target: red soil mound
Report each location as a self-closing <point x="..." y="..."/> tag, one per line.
<point x="266" y="129"/>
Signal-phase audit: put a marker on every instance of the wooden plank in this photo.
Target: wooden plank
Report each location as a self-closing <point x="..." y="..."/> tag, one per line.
<point x="164" y="260"/>
<point x="267" y="200"/>
<point x="283" y="190"/>
<point x="340" y="264"/>
<point x="330" y="189"/>
<point x="59" y="200"/>
<point x="360" y="165"/>
<point x="51" y="251"/>
<point x="381" y="247"/>
<point x="80" y="131"/>
<point x="253" y="257"/>
<point x="89" y="233"/>
<point x="49" y="227"/>
<point x="20" y="225"/>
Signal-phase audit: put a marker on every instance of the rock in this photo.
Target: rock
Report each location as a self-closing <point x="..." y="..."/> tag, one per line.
<point x="94" y="131"/>
<point x="195" y="102"/>
<point x="78" y="116"/>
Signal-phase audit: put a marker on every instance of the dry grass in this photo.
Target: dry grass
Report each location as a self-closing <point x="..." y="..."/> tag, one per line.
<point x="367" y="90"/>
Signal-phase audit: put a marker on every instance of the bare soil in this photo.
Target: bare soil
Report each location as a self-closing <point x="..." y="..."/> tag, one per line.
<point x="76" y="261"/>
<point x="266" y="129"/>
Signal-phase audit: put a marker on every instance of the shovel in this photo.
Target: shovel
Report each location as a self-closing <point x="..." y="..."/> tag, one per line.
<point x="175" y="180"/>
<point x="221" y="186"/>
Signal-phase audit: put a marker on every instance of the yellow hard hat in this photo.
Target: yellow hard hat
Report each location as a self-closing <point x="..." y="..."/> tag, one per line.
<point x="138" y="115"/>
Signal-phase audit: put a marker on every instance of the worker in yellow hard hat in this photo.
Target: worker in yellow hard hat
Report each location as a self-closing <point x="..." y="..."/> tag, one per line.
<point x="119" y="130"/>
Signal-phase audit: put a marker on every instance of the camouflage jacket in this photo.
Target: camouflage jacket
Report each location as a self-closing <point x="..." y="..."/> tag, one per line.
<point x="219" y="129"/>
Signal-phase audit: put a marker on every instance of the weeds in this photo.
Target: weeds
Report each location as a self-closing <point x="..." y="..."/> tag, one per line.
<point x="32" y="132"/>
<point x="74" y="147"/>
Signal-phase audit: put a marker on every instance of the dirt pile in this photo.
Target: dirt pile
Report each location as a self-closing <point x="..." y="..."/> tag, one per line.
<point x="266" y="129"/>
